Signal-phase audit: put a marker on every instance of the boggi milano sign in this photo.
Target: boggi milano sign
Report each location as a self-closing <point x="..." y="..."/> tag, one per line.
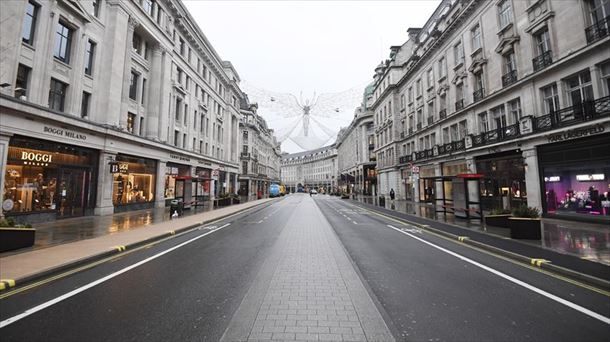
<point x="35" y="158"/>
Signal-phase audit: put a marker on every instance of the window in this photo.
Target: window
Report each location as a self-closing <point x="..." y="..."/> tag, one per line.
<point x="57" y="95"/>
<point x="442" y="68"/>
<point x="463" y="129"/>
<point x="176" y="137"/>
<point x="455" y="135"/>
<point x="141" y="126"/>
<point x="148" y="6"/>
<point x="22" y="81"/>
<point x="402" y="101"/>
<point x="142" y="98"/>
<point x="63" y="41"/>
<point x="418" y="88"/>
<point x="483" y="124"/>
<point x="514" y="110"/>
<point x="446" y="135"/>
<point x="458" y="53"/>
<point x="505" y="13"/>
<point x="194" y="144"/>
<point x="178" y="107"/>
<point x="430" y="78"/>
<point x="499" y="116"/>
<point x="182" y="47"/>
<point x="136" y="43"/>
<point x="476" y="37"/>
<point x="186" y="113"/>
<point x="133" y="85"/>
<point x="543" y="41"/>
<point x="84" y="105"/>
<point x="29" y="23"/>
<point x="410" y="94"/>
<point x="96" y="8"/>
<point x="510" y="64"/>
<point x="89" y="55"/>
<point x="131" y="122"/>
<point x="605" y="71"/>
<point x="579" y="88"/>
<point x="550" y="99"/>
<point x="184" y="140"/>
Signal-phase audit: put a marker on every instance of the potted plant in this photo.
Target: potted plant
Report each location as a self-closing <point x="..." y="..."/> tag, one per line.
<point x="498" y="217"/>
<point x="525" y="224"/>
<point x="14" y="236"/>
<point x="235" y="199"/>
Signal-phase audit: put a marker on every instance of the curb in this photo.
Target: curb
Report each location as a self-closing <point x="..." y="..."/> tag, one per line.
<point x="8" y="284"/>
<point x="541" y="263"/>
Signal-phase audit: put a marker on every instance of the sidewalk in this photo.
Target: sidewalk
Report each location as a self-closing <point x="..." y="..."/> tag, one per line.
<point x="584" y="240"/>
<point x="103" y="239"/>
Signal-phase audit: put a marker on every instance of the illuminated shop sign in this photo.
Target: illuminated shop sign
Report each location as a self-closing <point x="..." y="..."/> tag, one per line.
<point x="552" y="179"/>
<point x="589" y="178"/>
<point x="577" y="133"/>
<point x="119" y="168"/>
<point x="33" y="158"/>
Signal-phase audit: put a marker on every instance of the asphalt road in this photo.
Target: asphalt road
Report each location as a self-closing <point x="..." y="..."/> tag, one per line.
<point x="426" y="288"/>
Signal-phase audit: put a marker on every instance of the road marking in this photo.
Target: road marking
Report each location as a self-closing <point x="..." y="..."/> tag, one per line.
<point x="99" y="281"/>
<point x="539" y="262"/>
<point x="462" y="238"/>
<point x="6" y="283"/>
<point x="511" y="279"/>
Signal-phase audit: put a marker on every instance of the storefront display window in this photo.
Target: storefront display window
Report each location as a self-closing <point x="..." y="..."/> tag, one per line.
<point x="134" y="181"/>
<point x="44" y="176"/>
<point x="175" y="176"/>
<point x="503" y="185"/>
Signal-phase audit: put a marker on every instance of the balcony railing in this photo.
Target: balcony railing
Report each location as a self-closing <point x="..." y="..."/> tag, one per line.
<point x="451" y="147"/>
<point x="430" y="120"/>
<point x="598" y="30"/>
<point x="542" y="61"/>
<point x="509" y="78"/>
<point x="459" y="105"/>
<point x="586" y="111"/>
<point x="478" y="95"/>
<point x="405" y="159"/>
<point x="425" y="154"/>
<point x="496" y="135"/>
<point x="419" y="125"/>
<point x="442" y="113"/>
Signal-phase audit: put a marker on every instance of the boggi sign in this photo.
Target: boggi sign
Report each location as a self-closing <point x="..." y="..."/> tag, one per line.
<point x="37" y="157"/>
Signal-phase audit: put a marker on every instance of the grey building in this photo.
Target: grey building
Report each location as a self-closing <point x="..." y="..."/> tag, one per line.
<point x="356" y="159"/>
<point x="260" y="154"/>
<point x="512" y="94"/>
<point x="110" y="106"/>
<point x="315" y="169"/>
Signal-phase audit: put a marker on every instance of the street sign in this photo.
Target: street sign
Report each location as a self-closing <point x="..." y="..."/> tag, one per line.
<point x="215" y="173"/>
<point x="415" y="169"/>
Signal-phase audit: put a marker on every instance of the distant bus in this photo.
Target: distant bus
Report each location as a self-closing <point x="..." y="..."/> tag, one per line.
<point x="274" y="190"/>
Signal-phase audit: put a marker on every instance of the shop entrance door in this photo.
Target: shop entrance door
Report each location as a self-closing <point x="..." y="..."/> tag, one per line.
<point x="71" y="193"/>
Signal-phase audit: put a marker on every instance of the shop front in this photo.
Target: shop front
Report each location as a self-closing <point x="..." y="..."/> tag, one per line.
<point x="370" y="180"/>
<point x="133" y="185"/>
<point x="450" y="170"/>
<point x="575" y="178"/>
<point x="46" y="180"/>
<point x="427" y="184"/>
<point x="178" y="184"/>
<point x="503" y="182"/>
<point x="201" y="186"/>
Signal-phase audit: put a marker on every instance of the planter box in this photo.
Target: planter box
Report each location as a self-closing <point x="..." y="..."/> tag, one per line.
<point x="524" y="228"/>
<point x="497" y="220"/>
<point x="16" y="238"/>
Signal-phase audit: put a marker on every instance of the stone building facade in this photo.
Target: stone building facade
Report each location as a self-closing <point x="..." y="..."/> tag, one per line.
<point x="508" y="97"/>
<point x="355" y="150"/>
<point x="112" y="105"/>
<point x="260" y="154"/>
<point x="315" y="169"/>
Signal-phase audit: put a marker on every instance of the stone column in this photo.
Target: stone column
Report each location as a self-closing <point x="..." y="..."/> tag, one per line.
<point x="105" y="180"/>
<point x="153" y="105"/>
<point x="132" y="24"/>
<point x="4" y="141"/>
<point x="438" y="186"/>
<point x="160" y="184"/>
<point x="532" y="177"/>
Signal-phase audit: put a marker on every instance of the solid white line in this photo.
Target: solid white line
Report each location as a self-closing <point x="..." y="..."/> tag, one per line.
<point x="99" y="281"/>
<point x="511" y="279"/>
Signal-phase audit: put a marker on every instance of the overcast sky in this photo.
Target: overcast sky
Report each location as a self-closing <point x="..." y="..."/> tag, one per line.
<point x="294" y="46"/>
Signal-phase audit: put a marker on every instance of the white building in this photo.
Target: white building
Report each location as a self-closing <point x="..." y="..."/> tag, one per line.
<point x="315" y="169"/>
<point x="111" y="106"/>
<point x="513" y="94"/>
<point x="355" y="157"/>
<point x="260" y="154"/>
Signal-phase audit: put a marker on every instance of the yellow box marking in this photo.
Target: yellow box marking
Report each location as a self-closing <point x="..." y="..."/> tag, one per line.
<point x="462" y="238"/>
<point x="6" y="283"/>
<point x="120" y="248"/>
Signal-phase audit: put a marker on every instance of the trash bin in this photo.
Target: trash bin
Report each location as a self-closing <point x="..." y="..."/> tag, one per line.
<point x="175" y="208"/>
<point x="382" y="201"/>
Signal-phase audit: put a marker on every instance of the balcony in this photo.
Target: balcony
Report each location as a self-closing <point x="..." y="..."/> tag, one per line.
<point x="497" y="135"/>
<point x="582" y="112"/>
<point x="459" y="105"/>
<point x="245" y="155"/>
<point x="405" y="159"/>
<point x="419" y="125"/>
<point x="598" y="30"/>
<point x="478" y="95"/>
<point x="451" y="147"/>
<point x="425" y="154"/>
<point x="430" y="120"/>
<point x="442" y="114"/>
<point x="542" y="61"/>
<point x="509" y="78"/>
<point x="410" y="130"/>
